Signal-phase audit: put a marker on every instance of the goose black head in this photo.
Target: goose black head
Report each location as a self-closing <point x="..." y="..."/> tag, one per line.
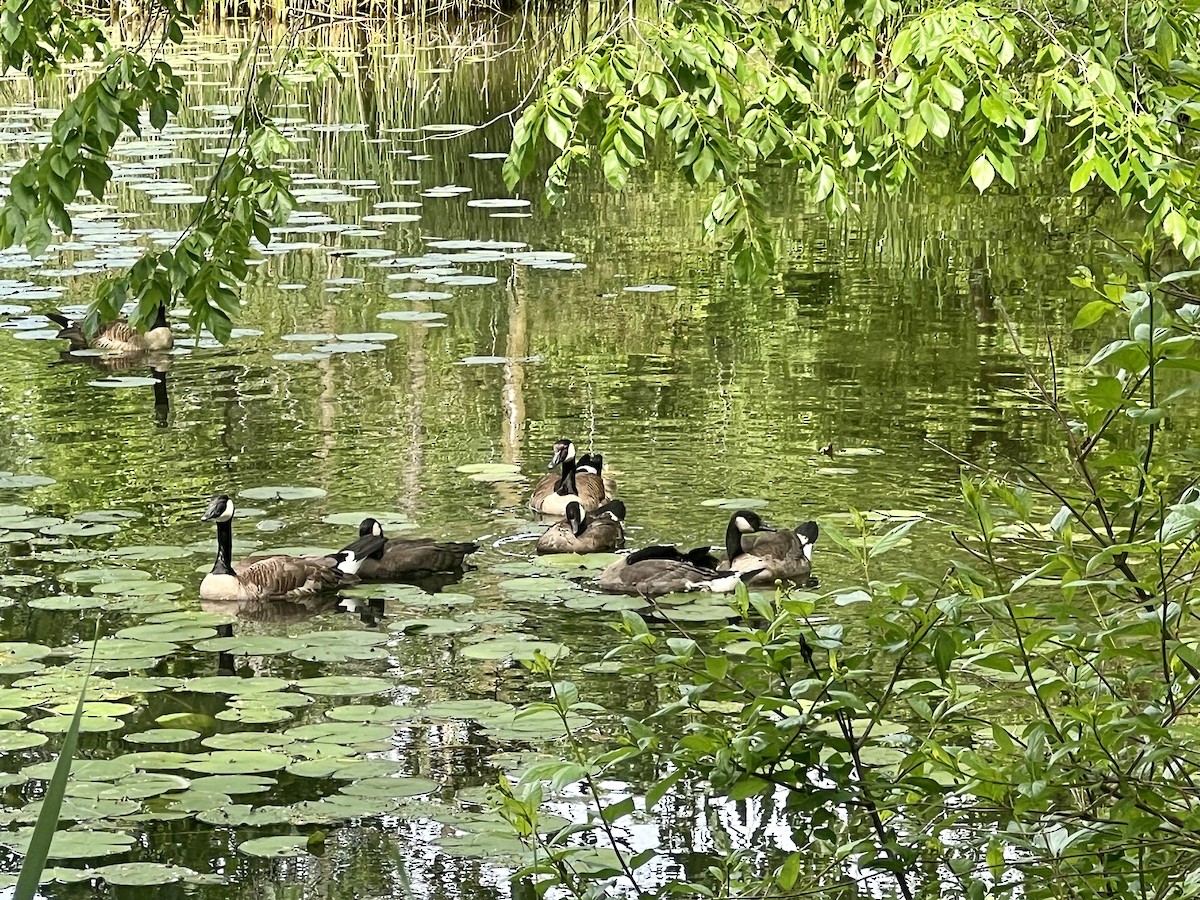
<point x="748" y="522"/>
<point x="575" y="518"/>
<point x="807" y="532"/>
<point x="563" y="450"/>
<point x="370" y="527"/>
<point x="220" y="509"/>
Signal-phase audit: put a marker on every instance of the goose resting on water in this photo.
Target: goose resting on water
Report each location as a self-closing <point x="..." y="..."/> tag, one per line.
<point x="660" y="570"/>
<point x="381" y="558"/>
<point x="118" y="336"/>
<point x="598" y="532"/>
<point x="580" y="482"/>
<point x="275" y="577"/>
<point x="772" y="555"/>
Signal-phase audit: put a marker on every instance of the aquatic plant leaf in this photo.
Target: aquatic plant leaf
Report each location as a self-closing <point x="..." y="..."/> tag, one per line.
<point x="108" y="515"/>
<point x="430" y="626"/>
<point x="255" y="715"/>
<point x="364" y="713"/>
<point x="232" y="684"/>
<point x="344" y="685"/>
<point x="142" y="874"/>
<point x="123" y="381"/>
<point x="239" y="815"/>
<point x="514" y="648"/>
<point x="172" y="632"/>
<point x="344" y="768"/>
<point x="279" y="492"/>
<point x="81" y="529"/>
<point x="535" y="586"/>
<point x="246" y="740"/>
<point x="735" y="502"/>
<point x="19" y="482"/>
<point x="74" y="844"/>
<point x="63" y="602"/>
<point x="163" y="736"/>
<point x="276" y="847"/>
<point x="234" y="784"/>
<point x="238" y="762"/>
<point x="138" y="588"/>
<point x="251" y="645"/>
<point x="11" y="740"/>
<point x="403" y="786"/>
<point x="150" y="552"/>
<point x="87" y="724"/>
<point x="466" y="709"/>
<point x="345" y="733"/>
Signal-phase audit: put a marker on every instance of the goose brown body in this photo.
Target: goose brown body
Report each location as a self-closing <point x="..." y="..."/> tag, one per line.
<point x="784" y="555"/>
<point x="118" y="336"/>
<point x="599" y="532"/>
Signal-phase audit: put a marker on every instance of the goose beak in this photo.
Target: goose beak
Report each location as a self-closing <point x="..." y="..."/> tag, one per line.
<point x="766" y="527"/>
<point x="557" y="459"/>
<point x="214" y="510"/>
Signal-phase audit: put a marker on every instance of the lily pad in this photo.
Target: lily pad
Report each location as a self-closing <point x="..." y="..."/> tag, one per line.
<point x="75" y="844"/>
<point x="344" y="685"/>
<point x="277" y="847"/>
<point x="163" y="736"/>
<point x="735" y="502"/>
<point x="275" y="492"/>
<point x="515" y="648"/>
<point x="391" y="787"/>
<point x="431" y="626"/>
<point x="138" y="588"/>
<point x="143" y="874"/>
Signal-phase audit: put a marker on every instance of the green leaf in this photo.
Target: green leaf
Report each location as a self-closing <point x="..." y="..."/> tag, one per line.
<point x="1091" y="313"/>
<point x="982" y="173"/>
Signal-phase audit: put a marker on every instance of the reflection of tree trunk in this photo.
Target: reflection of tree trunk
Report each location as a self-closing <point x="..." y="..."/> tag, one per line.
<point x="364" y="80"/>
<point x="512" y="395"/>
<point x="979" y="283"/>
<point x="410" y="475"/>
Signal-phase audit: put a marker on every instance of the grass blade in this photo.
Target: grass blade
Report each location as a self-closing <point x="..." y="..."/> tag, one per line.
<point x="47" y="820"/>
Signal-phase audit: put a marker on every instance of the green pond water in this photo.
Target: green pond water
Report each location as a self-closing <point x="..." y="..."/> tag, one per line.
<point x="880" y="335"/>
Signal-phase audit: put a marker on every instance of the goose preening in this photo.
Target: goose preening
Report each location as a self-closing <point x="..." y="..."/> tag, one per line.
<point x="381" y="558"/>
<point x="772" y="555"/>
<point x="118" y="336"/>
<point x="660" y="570"/>
<point x="583" y="484"/>
<point x="599" y="532"/>
<point x="276" y="577"/>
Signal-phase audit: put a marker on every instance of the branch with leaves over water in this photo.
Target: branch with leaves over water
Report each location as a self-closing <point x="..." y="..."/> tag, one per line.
<point x="864" y="95"/>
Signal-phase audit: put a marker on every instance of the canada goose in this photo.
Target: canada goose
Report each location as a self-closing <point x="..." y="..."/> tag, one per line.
<point x="277" y="577"/>
<point x="552" y="493"/>
<point x="118" y="336"/>
<point x="774" y="555"/>
<point x="665" y="570"/>
<point x="382" y="558"/>
<point x="598" y="532"/>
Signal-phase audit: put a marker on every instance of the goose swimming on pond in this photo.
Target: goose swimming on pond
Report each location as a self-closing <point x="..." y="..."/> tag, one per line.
<point x="584" y="486"/>
<point x="274" y="577"/>
<point x="382" y="558"/>
<point x="660" y="570"/>
<point x="118" y="336"/>
<point x="773" y="555"/>
<point x="599" y="532"/>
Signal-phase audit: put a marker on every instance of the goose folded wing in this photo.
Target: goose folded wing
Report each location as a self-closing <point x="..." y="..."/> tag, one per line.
<point x="288" y="577"/>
